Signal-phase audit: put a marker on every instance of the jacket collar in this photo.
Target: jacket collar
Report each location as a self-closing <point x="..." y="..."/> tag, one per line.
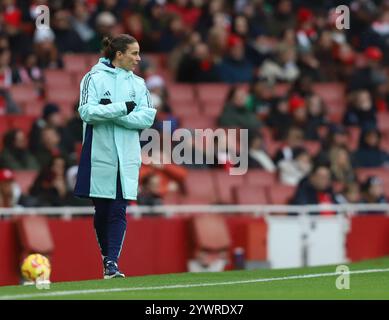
<point x="105" y="65"/>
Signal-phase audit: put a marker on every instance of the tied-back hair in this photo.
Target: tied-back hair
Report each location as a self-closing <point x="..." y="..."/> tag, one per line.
<point x="110" y="45"/>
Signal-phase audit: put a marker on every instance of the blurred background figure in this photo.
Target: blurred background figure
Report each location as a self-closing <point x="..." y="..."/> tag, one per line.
<point x="50" y="188"/>
<point x="104" y="27"/>
<point x="235" y="67"/>
<point x="373" y="190"/>
<point x="235" y="114"/>
<point x="50" y="147"/>
<point x="369" y="153"/>
<point x="281" y="68"/>
<point x="16" y="154"/>
<point x="361" y="111"/>
<point x="293" y="143"/>
<point x="351" y="194"/>
<point x="66" y="38"/>
<point x="258" y="157"/>
<point x="197" y="66"/>
<point x="47" y="53"/>
<point x="51" y="117"/>
<point x="162" y="177"/>
<point x="150" y="191"/>
<point x="341" y="167"/>
<point x="316" y="188"/>
<point x="292" y="171"/>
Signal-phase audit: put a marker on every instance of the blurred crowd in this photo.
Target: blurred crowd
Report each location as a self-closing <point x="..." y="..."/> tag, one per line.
<point x="253" y="45"/>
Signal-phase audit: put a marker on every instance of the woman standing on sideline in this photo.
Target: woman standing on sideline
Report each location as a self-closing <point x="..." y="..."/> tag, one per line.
<point x="114" y="105"/>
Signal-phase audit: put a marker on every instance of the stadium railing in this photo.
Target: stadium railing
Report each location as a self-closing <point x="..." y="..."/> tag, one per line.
<point x="171" y="210"/>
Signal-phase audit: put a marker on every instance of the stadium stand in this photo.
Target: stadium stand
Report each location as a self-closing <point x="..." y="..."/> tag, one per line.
<point x="225" y="184"/>
<point x="199" y="103"/>
<point x="25" y="179"/>
<point x="280" y="194"/>
<point x="247" y="194"/>
<point x="260" y="178"/>
<point x="199" y="185"/>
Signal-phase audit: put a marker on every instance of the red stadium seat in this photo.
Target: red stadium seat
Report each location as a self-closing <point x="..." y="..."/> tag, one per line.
<point x="225" y="184"/>
<point x="281" y="89"/>
<point x="383" y="121"/>
<point x="92" y="59"/>
<point x="273" y="146"/>
<point x="354" y="135"/>
<point x="256" y="177"/>
<point x="33" y="108"/>
<point x="210" y="237"/>
<point x="336" y="117"/>
<point x="199" y="185"/>
<point x="23" y="93"/>
<point x="157" y="59"/>
<point x="25" y="179"/>
<point x="185" y="108"/>
<point x="78" y="77"/>
<point x="248" y="194"/>
<point x="267" y="134"/>
<point x="313" y="147"/>
<point x="364" y="173"/>
<point x="55" y="78"/>
<point x="23" y="122"/>
<point x="75" y="62"/>
<point x="172" y="199"/>
<point x="210" y="232"/>
<point x="212" y="108"/>
<point x="167" y="75"/>
<point x="198" y="122"/>
<point x="3" y="129"/>
<point x="385" y="142"/>
<point x="4" y="122"/>
<point x="59" y="95"/>
<point x="336" y="107"/>
<point x="280" y="194"/>
<point x="34" y="235"/>
<point x="330" y="92"/>
<point x="66" y="108"/>
<point x="189" y="200"/>
<point x="180" y="92"/>
<point x="216" y="92"/>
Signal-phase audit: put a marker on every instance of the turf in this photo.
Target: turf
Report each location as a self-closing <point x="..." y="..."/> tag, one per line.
<point x="371" y="285"/>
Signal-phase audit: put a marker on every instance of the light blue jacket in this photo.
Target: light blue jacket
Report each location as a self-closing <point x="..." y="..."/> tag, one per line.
<point x="110" y="136"/>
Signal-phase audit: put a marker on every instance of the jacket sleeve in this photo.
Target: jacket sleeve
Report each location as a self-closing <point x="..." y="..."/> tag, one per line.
<point x="142" y="117"/>
<point x="91" y="111"/>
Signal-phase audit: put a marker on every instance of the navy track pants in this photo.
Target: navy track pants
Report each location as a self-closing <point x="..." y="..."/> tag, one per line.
<point x="110" y="223"/>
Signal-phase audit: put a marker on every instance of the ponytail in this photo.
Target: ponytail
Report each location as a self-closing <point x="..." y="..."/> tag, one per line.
<point x="110" y="45"/>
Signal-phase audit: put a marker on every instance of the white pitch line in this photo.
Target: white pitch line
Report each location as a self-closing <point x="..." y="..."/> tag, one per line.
<point x="183" y="286"/>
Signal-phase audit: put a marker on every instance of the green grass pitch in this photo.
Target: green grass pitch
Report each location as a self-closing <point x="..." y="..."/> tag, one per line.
<point x="368" y="280"/>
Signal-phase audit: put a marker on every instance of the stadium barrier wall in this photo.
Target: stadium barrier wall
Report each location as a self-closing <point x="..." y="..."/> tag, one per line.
<point x="156" y="245"/>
